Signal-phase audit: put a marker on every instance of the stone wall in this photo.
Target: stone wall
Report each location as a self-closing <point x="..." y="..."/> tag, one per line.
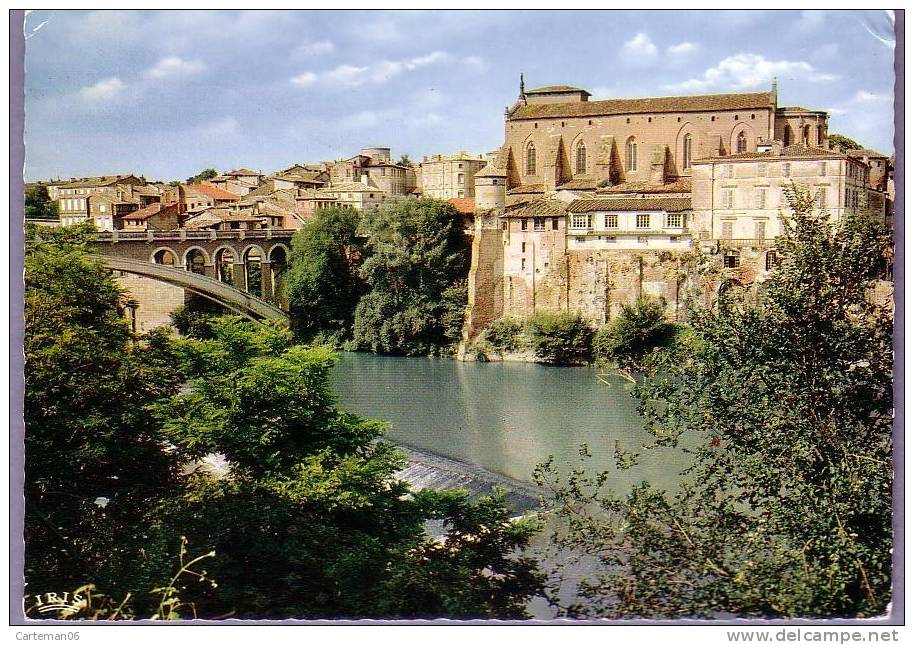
<point x="155" y="300"/>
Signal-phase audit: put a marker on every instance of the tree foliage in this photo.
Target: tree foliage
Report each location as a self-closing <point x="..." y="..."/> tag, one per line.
<point x="786" y="407"/>
<point x="415" y="274"/>
<point x="843" y="143"/>
<point x="203" y="175"/>
<point x="560" y="338"/>
<point x="38" y="204"/>
<point x="635" y="332"/>
<point x="95" y="465"/>
<point x="308" y="518"/>
<point x="323" y="283"/>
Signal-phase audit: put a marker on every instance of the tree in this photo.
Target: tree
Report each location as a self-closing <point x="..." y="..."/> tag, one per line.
<point x="312" y="521"/>
<point x="560" y="338"/>
<point x="38" y="204"/>
<point x="95" y="466"/>
<point x="843" y="143"/>
<point x="323" y="283"/>
<point x="635" y="332"/>
<point x="415" y="274"/>
<point x="786" y="408"/>
<point x="203" y="175"/>
<point x="405" y="161"/>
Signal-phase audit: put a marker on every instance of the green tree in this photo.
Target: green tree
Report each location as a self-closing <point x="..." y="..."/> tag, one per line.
<point x="203" y="175"/>
<point x="38" y="204"/>
<point x="405" y="161"/>
<point x="843" y="143"/>
<point x="786" y="407"/>
<point x="635" y="332"/>
<point x="415" y="274"/>
<point x="95" y="466"/>
<point x="323" y="283"/>
<point x="312" y="521"/>
<point x="560" y="338"/>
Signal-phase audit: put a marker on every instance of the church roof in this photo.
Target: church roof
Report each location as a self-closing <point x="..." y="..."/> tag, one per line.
<point x="556" y="89"/>
<point x="795" y="151"/>
<point x="654" y="105"/>
<point x="681" y="185"/>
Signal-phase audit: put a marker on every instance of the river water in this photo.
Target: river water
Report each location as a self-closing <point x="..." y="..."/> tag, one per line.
<point x="503" y="417"/>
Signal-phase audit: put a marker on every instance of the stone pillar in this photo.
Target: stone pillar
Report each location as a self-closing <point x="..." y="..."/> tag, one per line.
<point x="238" y="275"/>
<point x="266" y="280"/>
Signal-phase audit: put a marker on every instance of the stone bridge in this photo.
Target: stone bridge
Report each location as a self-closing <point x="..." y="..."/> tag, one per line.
<point x="242" y="270"/>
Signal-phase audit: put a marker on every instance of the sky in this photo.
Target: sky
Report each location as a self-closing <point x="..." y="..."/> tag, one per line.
<point x="168" y="93"/>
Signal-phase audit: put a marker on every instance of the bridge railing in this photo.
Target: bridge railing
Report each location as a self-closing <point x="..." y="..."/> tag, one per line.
<point x="189" y="234"/>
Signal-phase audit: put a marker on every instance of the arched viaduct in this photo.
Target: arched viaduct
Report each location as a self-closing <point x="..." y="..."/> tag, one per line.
<point x="242" y="270"/>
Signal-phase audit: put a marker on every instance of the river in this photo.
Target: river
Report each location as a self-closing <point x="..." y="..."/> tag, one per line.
<point x="503" y="417"/>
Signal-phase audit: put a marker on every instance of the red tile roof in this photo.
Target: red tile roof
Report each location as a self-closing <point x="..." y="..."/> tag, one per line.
<point x="464" y="205"/>
<point x="681" y="185"/>
<point x="154" y="209"/>
<point x="215" y="192"/>
<point x="556" y="89"/>
<point x="668" y="204"/>
<point x="655" y="105"/>
<point x="539" y="207"/>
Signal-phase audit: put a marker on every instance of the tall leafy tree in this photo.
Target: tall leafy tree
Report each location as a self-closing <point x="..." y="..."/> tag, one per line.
<point x="786" y="407"/>
<point x="416" y="278"/>
<point x="323" y="283"/>
<point x="843" y="143"/>
<point x="38" y="204"/>
<point x="203" y="175"/>
<point x="95" y="465"/>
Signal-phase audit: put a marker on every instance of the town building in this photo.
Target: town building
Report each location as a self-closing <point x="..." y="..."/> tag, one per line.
<point x="449" y="176"/>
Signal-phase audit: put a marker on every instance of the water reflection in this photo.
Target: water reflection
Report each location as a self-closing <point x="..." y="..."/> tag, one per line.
<point x="504" y="417"/>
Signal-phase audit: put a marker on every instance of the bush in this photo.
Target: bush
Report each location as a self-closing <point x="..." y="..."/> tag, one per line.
<point x="502" y="335"/>
<point x="560" y="338"/>
<point x="634" y="333"/>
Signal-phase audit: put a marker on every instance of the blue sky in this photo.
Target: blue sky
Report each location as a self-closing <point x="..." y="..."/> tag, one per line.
<point x="171" y="92"/>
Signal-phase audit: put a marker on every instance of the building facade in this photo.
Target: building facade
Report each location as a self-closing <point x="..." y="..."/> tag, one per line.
<point x="449" y="176"/>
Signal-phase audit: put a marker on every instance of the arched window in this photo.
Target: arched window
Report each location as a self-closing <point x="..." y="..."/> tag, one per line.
<point x="687" y="152"/>
<point x="787" y="135"/>
<point x="741" y="142"/>
<point x="581" y="159"/>
<point x="165" y="257"/>
<point x="195" y="262"/>
<point x="631" y="155"/>
<point x="531" y="159"/>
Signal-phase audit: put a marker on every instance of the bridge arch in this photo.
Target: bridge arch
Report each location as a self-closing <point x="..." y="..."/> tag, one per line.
<point x="194" y="249"/>
<point x="164" y="255"/>
<point x="253" y="257"/>
<point x="224" y="260"/>
<point x="244" y="303"/>
<point x="279" y="264"/>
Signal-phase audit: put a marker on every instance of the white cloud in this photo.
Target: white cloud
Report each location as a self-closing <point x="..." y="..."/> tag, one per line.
<point x="316" y="48"/>
<point x="476" y="64"/>
<point x="175" y="67"/>
<point x="106" y="88"/>
<point x="827" y="51"/>
<point x="863" y="96"/>
<point x="639" y="49"/>
<point x="836" y="111"/>
<point x="682" y="49"/>
<point x="376" y="73"/>
<point x="305" y="79"/>
<point x="745" y="71"/>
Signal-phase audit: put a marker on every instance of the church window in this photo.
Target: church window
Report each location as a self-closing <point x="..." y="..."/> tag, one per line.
<point x="581" y="161"/>
<point x="631" y="155"/>
<point x="741" y="142"/>
<point x="531" y="159"/>
<point x="687" y="152"/>
<point x="712" y="117"/>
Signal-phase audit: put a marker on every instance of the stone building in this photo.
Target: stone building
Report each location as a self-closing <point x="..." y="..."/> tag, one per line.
<point x="590" y="205"/>
<point x="449" y="176"/>
<point x="359" y="195"/>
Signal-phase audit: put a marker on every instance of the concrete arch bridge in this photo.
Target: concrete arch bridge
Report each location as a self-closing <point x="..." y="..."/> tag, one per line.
<point x="241" y="270"/>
